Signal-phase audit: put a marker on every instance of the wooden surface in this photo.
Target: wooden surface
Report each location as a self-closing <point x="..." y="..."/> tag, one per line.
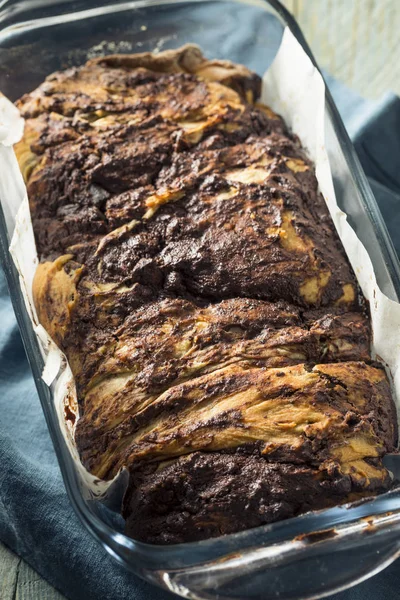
<point x="19" y="582"/>
<point x="355" y="40"/>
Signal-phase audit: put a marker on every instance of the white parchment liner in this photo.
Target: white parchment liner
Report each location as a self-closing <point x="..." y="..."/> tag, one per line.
<point x="293" y="88"/>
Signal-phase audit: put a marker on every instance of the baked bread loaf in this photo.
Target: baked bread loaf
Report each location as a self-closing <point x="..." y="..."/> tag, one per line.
<point x="191" y="273"/>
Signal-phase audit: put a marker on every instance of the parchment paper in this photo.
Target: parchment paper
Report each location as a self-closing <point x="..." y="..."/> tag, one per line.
<point x="294" y="89"/>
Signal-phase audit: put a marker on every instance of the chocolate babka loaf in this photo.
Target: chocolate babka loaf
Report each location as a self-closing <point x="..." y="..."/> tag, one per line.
<point x="191" y="273"/>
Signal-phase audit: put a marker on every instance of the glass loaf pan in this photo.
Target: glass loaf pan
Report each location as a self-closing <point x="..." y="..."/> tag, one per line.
<point x="305" y="557"/>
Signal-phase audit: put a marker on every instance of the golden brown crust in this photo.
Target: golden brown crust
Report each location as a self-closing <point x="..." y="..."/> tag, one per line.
<point x="55" y="295"/>
<point x="189" y="59"/>
<point x="192" y="275"/>
<point x="329" y="414"/>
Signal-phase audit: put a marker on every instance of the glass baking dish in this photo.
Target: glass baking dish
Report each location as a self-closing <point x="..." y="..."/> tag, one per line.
<point x="305" y="557"/>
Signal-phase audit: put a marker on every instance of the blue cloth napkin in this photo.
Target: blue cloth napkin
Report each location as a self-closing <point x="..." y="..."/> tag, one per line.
<point x="36" y="518"/>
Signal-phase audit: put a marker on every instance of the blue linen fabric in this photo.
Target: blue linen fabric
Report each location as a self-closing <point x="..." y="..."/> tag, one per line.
<point x="36" y="518"/>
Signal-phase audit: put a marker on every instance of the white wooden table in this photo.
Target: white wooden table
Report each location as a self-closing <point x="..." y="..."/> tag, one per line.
<point x="357" y="42"/>
<point x="19" y="582"/>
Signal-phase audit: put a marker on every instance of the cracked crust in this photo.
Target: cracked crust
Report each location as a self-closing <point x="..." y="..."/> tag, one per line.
<point x="192" y="275"/>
